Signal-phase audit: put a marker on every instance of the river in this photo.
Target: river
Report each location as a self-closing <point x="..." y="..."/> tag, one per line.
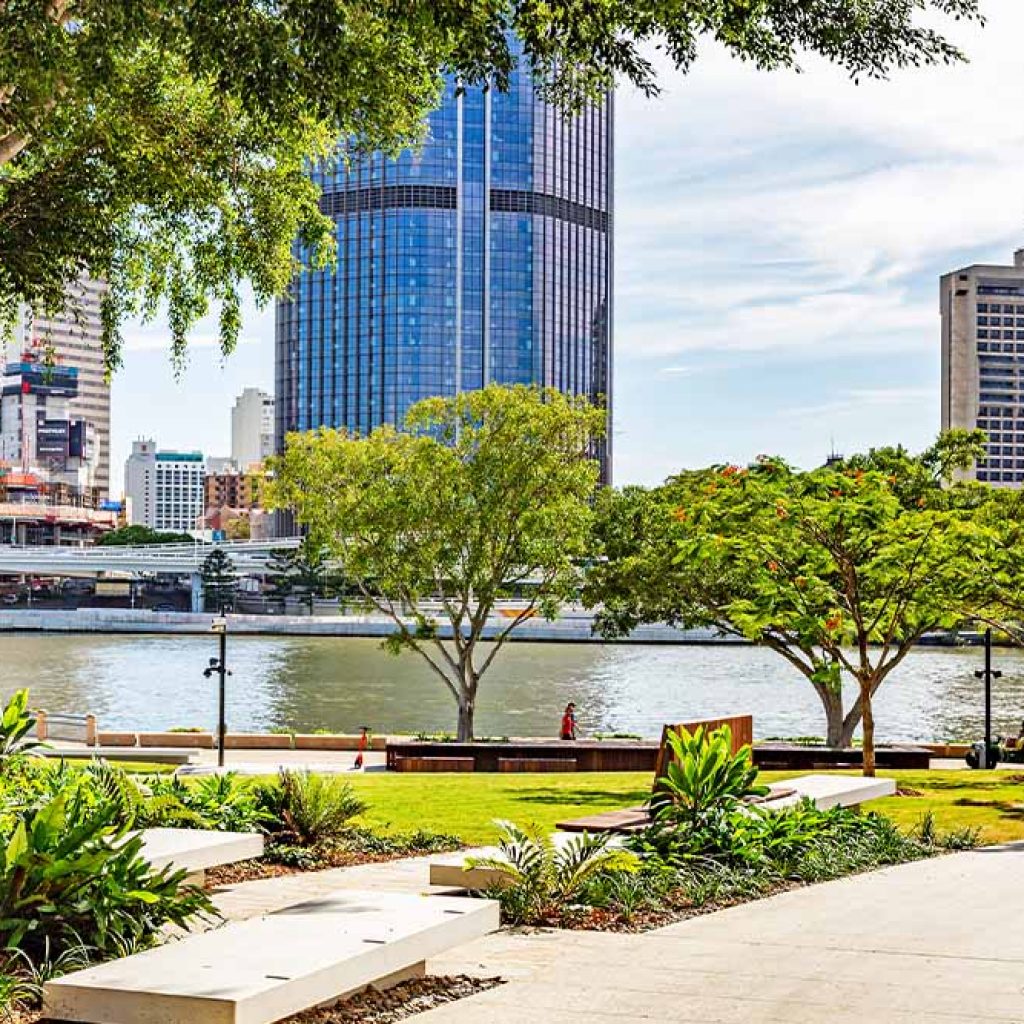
<point x="303" y="684"/>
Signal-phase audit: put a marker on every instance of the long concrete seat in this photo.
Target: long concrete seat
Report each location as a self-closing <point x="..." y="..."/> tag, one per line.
<point x="145" y="755"/>
<point x="197" y="850"/>
<point x="825" y="791"/>
<point x="267" y="968"/>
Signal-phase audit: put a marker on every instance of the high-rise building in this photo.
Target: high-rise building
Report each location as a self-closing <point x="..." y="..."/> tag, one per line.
<point x="73" y="338"/>
<point x="164" y="490"/>
<point x="252" y="428"/>
<point x="983" y="363"/>
<point x="484" y="256"/>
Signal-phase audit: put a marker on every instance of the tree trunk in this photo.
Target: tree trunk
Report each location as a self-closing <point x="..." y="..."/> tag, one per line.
<point x="832" y="702"/>
<point x="868" y="730"/>
<point x="466" y="712"/>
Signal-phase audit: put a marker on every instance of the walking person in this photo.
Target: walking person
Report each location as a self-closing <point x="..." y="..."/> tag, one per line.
<point x="364" y="740"/>
<point x="569" y="722"/>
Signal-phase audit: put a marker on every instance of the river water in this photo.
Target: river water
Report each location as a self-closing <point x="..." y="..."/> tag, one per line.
<point x="303" y="684"/>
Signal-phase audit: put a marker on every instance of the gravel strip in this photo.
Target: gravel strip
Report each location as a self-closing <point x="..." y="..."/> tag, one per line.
<point x="403" y="1000"/>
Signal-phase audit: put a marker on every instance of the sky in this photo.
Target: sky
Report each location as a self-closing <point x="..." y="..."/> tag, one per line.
<point x="778" y="243"/>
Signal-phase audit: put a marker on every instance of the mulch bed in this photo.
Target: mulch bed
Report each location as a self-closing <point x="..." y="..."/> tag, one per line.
<point x="404" y="1000"/>
<point x="267" y="867"/>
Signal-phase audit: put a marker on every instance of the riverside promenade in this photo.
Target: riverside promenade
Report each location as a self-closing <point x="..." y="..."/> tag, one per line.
<point x="934" y="942"/>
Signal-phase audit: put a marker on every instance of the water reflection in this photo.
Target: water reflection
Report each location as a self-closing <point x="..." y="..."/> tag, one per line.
<point x="154" y="682"/>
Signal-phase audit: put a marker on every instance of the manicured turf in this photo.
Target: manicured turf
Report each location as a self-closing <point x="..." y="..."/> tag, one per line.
<point x="468" y="804"/>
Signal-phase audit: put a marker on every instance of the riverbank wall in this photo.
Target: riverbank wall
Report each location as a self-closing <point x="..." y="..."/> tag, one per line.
<point x="575" y="627"/>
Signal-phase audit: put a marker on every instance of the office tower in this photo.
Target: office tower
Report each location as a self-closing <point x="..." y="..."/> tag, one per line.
<point x="164" y="489"/>
<point x="73" y="338"/>
<point x="252" y="428"/>
<point x="485" y="256"/>
<point x="983" y="363"/>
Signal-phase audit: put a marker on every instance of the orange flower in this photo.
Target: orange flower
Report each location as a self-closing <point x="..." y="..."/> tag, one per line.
<point x="773" y="566"/>
<point x="680" y="514"/>
<point x="780" y="511"/>
<point x="833" y="622"/>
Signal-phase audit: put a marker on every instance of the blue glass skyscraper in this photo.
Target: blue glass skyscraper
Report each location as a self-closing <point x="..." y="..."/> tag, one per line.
<point x="485" y="256"/>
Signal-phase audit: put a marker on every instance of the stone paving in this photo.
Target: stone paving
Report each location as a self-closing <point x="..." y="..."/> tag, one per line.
<point x="936" y="942"/>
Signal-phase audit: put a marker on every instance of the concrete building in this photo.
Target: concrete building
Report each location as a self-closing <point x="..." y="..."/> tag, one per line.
<point x="164" y="489"/>
<point x="252" y="428"/>
<point x="982" y="309"/>
<point x="233" y="490"/>
<point x="485" y="256"/>
<point x="73" y="338"/>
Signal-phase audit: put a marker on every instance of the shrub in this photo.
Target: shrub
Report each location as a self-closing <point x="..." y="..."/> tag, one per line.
<point x="540" y="879"/>
<point x="704" y="775"/>
<point x="15" y="724"/>
<point x="69" y="875"/>
<point x="311" y="808"/>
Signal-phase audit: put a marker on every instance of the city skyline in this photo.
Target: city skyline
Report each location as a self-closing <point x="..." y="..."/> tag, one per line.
<point x="779" y="245"/>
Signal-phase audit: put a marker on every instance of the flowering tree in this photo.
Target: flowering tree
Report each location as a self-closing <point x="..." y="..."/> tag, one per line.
<point x="839" y="570"/>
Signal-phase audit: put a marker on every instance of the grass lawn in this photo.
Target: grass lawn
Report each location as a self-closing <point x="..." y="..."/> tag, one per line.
<point x="467" y="805"/>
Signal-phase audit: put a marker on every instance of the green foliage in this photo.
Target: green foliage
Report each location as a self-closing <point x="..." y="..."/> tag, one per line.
<point x="303" y="572"/>
<point x="166" y="148"/>
<point x="840" y="570"/>
<point x="483" y="493"/>
<point x="137" y="536"/>
<point x="220" y="579"/>
<point x="70" y="875"/>
<point x="704" y="776"/>
<point x="538" y="877"/>
<point x="15" y="724"/>
<point x="310" y="808"/>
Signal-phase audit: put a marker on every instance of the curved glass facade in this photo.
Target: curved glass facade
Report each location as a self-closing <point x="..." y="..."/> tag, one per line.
<point x="485" y="256"/>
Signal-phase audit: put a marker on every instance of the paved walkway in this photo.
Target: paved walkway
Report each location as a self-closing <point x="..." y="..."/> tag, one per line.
<point x="936" y="942"/>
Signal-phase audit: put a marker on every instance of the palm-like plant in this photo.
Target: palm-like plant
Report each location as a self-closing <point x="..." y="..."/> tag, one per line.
<point x="538" y="875"/>
<point x="704" y="775"/>
<point x="315" y="808"/>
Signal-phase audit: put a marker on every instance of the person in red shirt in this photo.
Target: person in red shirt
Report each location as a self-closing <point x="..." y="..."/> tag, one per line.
<point x="364" y="740"/>
<point x="569" y="722"/>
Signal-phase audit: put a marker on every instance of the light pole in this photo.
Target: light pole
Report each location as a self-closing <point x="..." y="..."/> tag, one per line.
<point x="988" y="674"/>
<point x="220" y="666"/>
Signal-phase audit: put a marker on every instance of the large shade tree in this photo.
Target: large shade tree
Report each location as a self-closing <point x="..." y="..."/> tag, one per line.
<point x="162" y="144"/>
<point x="486" y="496"/>
<point x="839" y="570"/>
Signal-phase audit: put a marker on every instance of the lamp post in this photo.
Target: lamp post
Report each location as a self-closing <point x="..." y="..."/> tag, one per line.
<point x="220" y="666"/>
<point x="988" y="674"/>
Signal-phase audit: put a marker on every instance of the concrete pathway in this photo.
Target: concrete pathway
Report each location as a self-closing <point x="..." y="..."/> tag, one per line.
<point x="936" y="942"/>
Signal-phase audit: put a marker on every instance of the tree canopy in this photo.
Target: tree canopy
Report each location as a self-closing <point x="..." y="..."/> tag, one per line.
<point x="486" y="496"/>
<point x="141" y="535"/>
<point x="840" y="570"/>
<point x="162" y="146"/>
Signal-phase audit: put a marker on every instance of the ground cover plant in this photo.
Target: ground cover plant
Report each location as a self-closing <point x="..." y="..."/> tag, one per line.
<point x="707" y="846"/>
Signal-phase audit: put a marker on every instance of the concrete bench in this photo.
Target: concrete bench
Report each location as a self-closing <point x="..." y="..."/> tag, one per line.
<point x="196" y="850"/>
<point x="449" y="870"/>
<point x="60" y="725"/>
<point x="267" y="968"/>
<point x="825" y="790"/>
<point x="536" y="764"/>
<point x="144" y="755"/>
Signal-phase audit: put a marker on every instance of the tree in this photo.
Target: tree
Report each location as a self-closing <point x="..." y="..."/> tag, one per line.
<point x="487" y="493"/>
<point x="302" y="571"/>
<point x="141" y="536"/>
<point x="220" y="580"/>
<point x="163" y="147"/>
<point x="840" y="570"/>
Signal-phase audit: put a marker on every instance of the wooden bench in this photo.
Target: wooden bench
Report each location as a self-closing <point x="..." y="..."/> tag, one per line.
<point x="536" y="764"/>
<point x="434" y="764"/>
<point x="270" y="967"/>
